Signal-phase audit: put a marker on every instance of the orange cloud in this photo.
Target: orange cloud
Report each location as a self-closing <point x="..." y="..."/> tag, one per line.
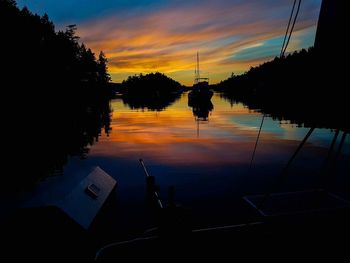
<point x="167" y="40"/>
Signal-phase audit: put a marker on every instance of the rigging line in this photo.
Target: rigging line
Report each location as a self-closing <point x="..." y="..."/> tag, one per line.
<point x="287" y="30"/>
<point x="327" y="164"/>
<point x="340" y="146"/>
<point x="286" y="167"/>
<point x="292" y="28"/>
<point x="298" y="150"/>
<point x="283" y="50"/>
<point x="330" y="151"/>
<point x="257" y="140"/>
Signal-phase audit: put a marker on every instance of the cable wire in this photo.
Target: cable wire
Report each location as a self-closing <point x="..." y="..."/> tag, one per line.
<point x="287" y="30"/>
<point x="292" y="28"/>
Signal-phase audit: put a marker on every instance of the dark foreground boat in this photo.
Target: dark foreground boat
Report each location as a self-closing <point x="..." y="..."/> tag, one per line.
<point x="315" y="234"/>
<point x="289" y="225"/>
<point x="311" y="225"/>
<point x="57" y="229"/>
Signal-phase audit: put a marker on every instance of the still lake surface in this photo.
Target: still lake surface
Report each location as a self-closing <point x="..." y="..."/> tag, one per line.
<point x="207" y="161"/>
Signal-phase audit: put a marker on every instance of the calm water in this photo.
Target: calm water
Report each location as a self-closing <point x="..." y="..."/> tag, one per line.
<point x="207" y="161"/>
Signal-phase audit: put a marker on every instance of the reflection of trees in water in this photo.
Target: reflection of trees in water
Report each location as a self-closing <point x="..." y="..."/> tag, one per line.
<point x="154" y="91"/>
<point x="301" y="87"/>
<point x="151" y="101"/>
<point x="55" y="107"/>
<point x="301" y="113"/>
<point x="48" y="139"/>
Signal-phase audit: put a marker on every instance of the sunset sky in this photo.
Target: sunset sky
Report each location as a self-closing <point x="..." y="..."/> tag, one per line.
<point x="143" y="36"/>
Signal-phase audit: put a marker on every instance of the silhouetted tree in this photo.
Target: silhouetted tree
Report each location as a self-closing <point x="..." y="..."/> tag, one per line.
<point x="302" y="87"/>
<point x="47" y="73"/>
<point x="102" y="68"/>
<point x="154" y="91"/>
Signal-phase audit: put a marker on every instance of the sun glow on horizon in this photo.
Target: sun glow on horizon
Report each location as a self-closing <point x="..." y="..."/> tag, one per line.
<point x="157" y="36"/>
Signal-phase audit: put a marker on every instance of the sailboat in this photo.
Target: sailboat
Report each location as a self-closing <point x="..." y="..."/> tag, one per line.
<point x="200" y="90"/>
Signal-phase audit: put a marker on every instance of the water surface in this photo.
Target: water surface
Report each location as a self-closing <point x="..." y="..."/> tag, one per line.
<point x="206" y="158"/>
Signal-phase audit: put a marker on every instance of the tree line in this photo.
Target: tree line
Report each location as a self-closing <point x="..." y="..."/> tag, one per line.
<point x="153" y="91"/>
<point x="304" y="87"/>
<point x="56" y="93"/>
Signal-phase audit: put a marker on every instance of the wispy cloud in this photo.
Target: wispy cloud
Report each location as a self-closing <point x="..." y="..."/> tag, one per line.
<point x="164" y="36"/>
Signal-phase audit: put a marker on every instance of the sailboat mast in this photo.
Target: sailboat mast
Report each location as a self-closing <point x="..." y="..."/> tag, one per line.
<point x="198" y="76"/>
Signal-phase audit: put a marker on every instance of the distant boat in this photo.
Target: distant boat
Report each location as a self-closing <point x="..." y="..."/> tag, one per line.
<point x="200" y="89"/>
